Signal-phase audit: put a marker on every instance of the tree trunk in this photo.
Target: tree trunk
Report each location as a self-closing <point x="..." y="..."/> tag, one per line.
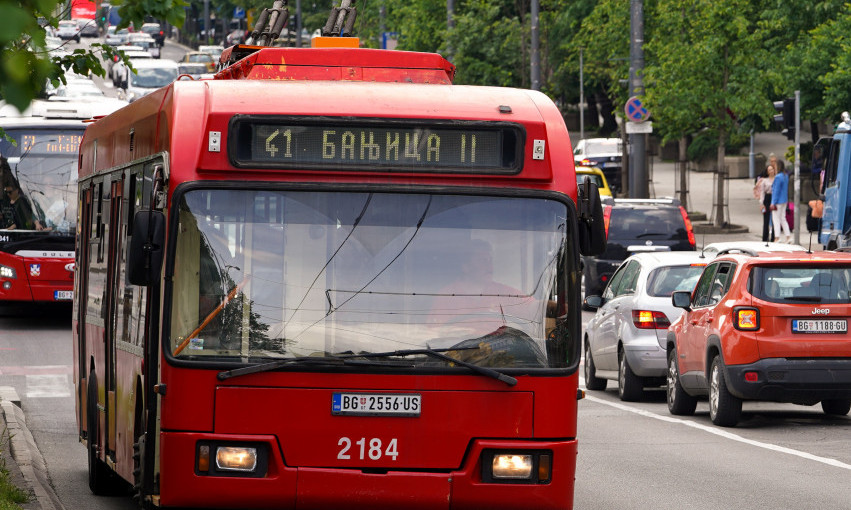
<point x="721" y="173"/>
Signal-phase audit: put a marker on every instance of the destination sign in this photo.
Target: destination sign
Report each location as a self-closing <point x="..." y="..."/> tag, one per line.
<point x="49" y="143"/>
<point x="413" y="145"/>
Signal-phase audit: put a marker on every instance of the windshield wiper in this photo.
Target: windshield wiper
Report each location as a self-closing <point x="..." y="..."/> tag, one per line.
<point x="330" y="361"/>
<point x="437" y="353"/>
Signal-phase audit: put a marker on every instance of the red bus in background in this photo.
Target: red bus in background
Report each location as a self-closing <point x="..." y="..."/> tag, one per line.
<point x="83" y="9"/>
<point x="330" y="277"/>
<point x="38" y="203"/>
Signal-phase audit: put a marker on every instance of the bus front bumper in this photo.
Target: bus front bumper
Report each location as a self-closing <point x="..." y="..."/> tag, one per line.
<point x="281" y="486"/>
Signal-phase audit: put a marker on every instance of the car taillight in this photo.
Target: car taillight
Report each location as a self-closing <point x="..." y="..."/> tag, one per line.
<point x="607" y="216"/>
<point x="115" y="58"/>
<point x="586" y="162"/>
<point x="689" y="230"/>
<point x="646" y="319"/>
<point x="745" y="318"/>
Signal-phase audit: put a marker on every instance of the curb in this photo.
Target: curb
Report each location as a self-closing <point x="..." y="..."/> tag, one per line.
<point x="23" y="458"/>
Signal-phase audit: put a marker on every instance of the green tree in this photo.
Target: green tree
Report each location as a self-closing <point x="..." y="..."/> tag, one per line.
<point x="707" y="69"/>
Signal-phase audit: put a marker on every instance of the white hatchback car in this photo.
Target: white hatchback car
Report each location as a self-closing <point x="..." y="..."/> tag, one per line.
<point x="150" y="75"/>
<point x="713" y="249"/>
<point x="604" y="153"/>
<point x="625" y="340"/>
<point x="68" y="30"/>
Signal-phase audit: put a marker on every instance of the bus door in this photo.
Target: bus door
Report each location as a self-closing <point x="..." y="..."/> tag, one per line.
<point x="112" y="230"/>
<point x="82" y="264"/>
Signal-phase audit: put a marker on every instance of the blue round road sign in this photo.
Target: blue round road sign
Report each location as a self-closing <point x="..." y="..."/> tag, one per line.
<point x="635" y="111"/>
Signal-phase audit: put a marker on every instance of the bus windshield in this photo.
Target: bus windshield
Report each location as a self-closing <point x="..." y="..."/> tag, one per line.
<point x="40" y="180"/>
<point x="279" y="274"/>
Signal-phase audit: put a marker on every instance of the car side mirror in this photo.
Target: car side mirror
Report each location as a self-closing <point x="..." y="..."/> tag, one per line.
<point x="682" y="299"/>
<point x="594" y="302"/>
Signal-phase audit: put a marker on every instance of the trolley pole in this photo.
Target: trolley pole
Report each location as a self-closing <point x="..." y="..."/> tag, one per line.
<point x="535" y="58"/>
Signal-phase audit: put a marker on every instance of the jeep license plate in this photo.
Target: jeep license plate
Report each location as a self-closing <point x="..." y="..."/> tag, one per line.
<point x="819" y="326"/>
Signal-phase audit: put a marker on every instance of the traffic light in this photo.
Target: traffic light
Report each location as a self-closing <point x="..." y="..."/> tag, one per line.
<point x="786" y="117"/>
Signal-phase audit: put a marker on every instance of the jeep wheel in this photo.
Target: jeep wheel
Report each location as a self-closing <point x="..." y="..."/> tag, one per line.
<point x="836" y="407"/>
<point x="725" y="409"/>
<point x="679" y="402"/>
<point x="592" y="382"/>
<point x="630" y="386"/>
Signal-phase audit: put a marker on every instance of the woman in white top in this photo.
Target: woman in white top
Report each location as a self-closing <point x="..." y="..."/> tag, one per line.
<point x="762" y="192"/>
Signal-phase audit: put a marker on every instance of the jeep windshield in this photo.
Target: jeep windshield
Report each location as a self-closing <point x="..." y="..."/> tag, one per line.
<point x="267" y="275"/>
<point x="802" y="284"/>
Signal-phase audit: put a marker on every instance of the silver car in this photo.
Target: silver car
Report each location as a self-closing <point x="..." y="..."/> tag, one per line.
<point x="625" y="340"/>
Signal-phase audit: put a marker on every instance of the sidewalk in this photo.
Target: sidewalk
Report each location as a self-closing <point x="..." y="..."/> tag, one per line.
<point x="742" y="208"/>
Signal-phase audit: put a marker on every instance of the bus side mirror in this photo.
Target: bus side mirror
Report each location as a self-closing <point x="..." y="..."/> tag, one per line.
<point x="145" y="258"/>
<point x="682" y="299"/>
<point x="592" y="230"/>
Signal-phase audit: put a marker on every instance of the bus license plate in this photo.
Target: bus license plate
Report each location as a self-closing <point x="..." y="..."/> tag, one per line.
<point x="376" y="404"/>
<point x="819" y="326"/>
<point x="63" y="295"/>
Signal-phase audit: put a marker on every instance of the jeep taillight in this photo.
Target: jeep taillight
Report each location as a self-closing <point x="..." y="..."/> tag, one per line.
<point x="607" y="217"/>
<point x="689" y="228"/>
<point x="647" y="319"/>
<point x="745" y="318"/>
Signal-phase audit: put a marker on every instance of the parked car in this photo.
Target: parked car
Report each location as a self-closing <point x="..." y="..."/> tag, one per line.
<point x="119" y="70"/>
<point x="214" y="51"/>
<point x="68" y="30"/>
<point x="116" y="37"/>
<point x="200" y="56"/>
<point x="88" y="27"/>
<point x="597" y="177"/>
<point x="195" y="70"/>
<point x="634" y="226"/>
<point x="154" y="30"/>
<point x="770" y="326"/>
<point x="605" y="153"/>
<point x="145" y="42"/>
<point x="625" y="340"/>
<point x="150" y="75"/>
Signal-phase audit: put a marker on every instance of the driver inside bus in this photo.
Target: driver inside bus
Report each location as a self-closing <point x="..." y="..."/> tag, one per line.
<point x="475" y="297"/>
<point x="17" y="211"/>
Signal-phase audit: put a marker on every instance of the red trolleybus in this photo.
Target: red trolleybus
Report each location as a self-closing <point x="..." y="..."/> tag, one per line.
<point x="38" y="205"/>
<point x="328" y="278"/>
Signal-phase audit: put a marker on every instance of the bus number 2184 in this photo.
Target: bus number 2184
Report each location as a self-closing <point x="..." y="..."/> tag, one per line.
<point x="372" y="448"/>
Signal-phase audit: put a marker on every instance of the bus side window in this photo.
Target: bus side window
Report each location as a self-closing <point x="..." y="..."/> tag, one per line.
<point x="831" y="165"/>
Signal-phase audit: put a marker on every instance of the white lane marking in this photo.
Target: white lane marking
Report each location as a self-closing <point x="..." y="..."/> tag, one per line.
<point x="718" y="432"/>
<point x="48" y="386"/>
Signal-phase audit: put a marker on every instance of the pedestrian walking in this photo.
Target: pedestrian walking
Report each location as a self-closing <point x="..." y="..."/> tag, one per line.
<point x="779" y="201"/>
<point x="762" y="193"/>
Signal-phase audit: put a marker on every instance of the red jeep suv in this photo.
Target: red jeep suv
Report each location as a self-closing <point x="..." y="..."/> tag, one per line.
<point x="763" y="326"/>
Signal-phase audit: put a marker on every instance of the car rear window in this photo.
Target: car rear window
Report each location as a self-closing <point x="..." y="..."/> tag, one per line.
<point x="596" y="179"/>
<point x="801" y="284"/>
<point x="603" y="148"/>
<point x="663" y="281"/>
<point x="647" y="223"/>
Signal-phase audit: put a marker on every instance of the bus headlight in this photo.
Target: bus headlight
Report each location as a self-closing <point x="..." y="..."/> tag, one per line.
<point x="517" y="466"/>
<point x="236" y="458"/>
<point x="7" y="272"/>
<point x="512" y="466"/>
<point x="231" y="459"/>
